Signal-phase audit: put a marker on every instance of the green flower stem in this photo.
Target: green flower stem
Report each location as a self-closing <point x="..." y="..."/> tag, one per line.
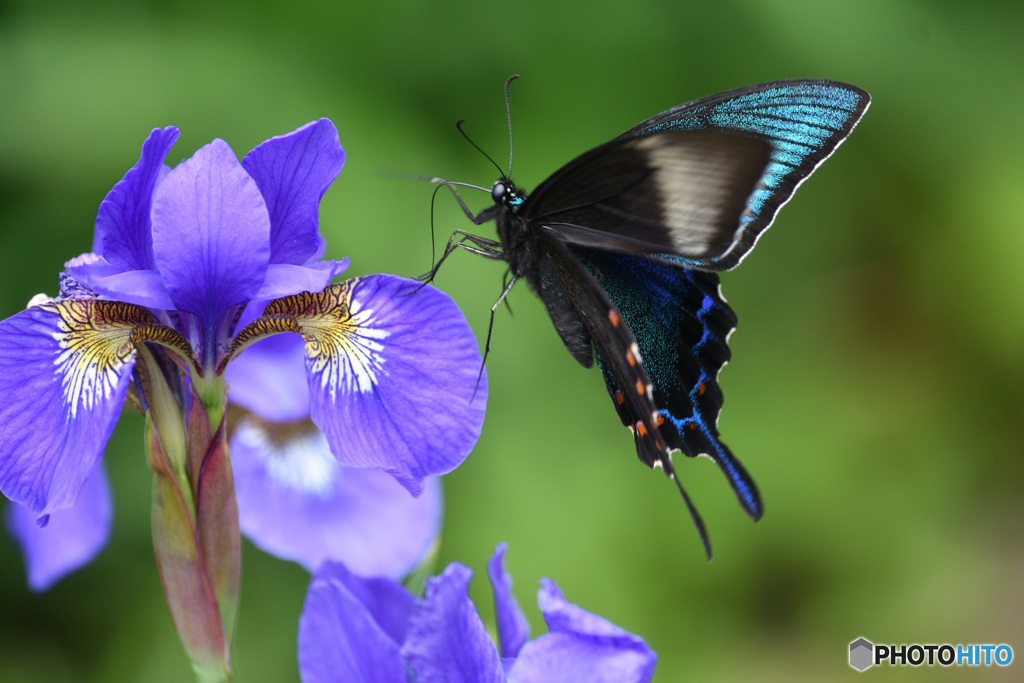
<point x="190" y="593"/>
<point x="196" y="535"/>
<point x="212" y="391"/>
<point x="166" y="413"/>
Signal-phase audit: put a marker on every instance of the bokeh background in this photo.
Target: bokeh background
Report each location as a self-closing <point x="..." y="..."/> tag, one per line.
<point x="876" y="391"/>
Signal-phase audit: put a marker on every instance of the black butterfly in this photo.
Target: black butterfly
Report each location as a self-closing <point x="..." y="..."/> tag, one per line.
<point x="622" y="244"/>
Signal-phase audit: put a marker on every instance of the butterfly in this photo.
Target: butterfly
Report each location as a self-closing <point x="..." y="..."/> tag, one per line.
<point x="623" y="245"/>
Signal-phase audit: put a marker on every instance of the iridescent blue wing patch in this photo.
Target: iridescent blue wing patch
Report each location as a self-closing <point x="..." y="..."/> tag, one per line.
<point x="802" y="120"/>
<point x="681" y="325"/>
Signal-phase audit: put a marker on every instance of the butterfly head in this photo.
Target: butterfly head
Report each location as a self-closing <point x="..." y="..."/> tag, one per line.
<point x="505" y="193"/>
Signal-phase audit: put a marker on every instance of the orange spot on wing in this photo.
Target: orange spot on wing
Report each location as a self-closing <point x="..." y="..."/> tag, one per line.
<point x="619" y="398"/>
<point x="661" y="419"/>
<point x="641" y="429"/>
<point x="700" y="389"/>
<point x="631" y="359"/>
<point x="640" y="387"/>
<point x="614" y="317"/>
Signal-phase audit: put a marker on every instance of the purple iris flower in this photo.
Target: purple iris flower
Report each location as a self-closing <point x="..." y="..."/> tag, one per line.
<point x="193" y="271"/>
<point x="374" y="631"/>
<point x="390" y="376"/>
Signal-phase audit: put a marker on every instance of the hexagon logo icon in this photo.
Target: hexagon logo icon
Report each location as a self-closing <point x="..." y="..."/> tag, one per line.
<point x="862" y="653"/>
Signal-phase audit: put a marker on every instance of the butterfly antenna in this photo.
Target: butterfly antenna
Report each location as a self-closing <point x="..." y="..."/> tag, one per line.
<point x="508" y="114"/>
<point x="458" y="124"/>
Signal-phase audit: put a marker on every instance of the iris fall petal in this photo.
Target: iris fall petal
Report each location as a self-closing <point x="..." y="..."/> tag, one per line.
<point x="392" y="377"/>
<point x="64" y="373"/>
<point x="71" y="538"/>
<point x="297" y="502"/>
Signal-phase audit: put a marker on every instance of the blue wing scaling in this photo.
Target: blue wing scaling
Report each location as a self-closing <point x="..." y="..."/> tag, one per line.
<point x="681" y="325"/>
<point x="803" y="121"/>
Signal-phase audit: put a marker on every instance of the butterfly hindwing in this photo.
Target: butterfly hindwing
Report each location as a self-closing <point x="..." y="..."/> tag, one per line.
<point x="563" y="275"/>
<point x="681" y="326"/>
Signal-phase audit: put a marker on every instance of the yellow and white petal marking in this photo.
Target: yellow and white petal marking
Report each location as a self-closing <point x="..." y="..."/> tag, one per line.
<point x="97" y="337"/>
<point x="95" y="340"/>
<point x="343" y="349"/>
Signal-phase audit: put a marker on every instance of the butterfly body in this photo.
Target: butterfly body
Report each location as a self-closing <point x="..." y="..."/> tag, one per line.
<point x="622" y="245"/>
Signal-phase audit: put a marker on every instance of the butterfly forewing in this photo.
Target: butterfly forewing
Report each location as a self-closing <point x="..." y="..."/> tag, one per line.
<point x="802" y="120"/>
<point x="679" y="192"/>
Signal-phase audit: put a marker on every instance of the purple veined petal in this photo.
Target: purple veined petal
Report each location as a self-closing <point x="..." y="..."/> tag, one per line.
<point x="513" y="629"/>
<point x="446" y="641"/>
<point x="392" y="371"/>
<point x="297" y="502"/>
<point x="123" y="230"/>
<point x="211" y="234"/>
<point x="388" y="602"/>
<point x="71" y="538"/>
<point x="269" y="379"/>
<point x="563" y="616"/>
<point x="284" y="279"/>
<point x="292" y="172"/>
<point x="339" y="639"/>
<point x="64" y="372"/>
<point x="581" y="647"/>
<point x="566" y="658"/>
<point x="139" y="287"/>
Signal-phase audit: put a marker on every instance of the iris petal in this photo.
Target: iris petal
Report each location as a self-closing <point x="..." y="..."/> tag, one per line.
<point x="565" y="657"/>
<point x="139" y="287"/>
<point x="562" y="615"/>
<point x="581" y="646"/>
<point x="339" y="639"/>
<point x="292" y="172"/>
<point x="296" y="501"/>
<point x="285" y="279"/>
<point x="513" y="629"/>
<point x="446" y="641"/>
<point x="211" y="234"/>
<point x="388" y="602"/>
<point x="71" y="538"/>
<point x="269" y="379"/>
<point x="123" y="232"/>
<point x="392" y="371"/>
<point x="64" y="373"/>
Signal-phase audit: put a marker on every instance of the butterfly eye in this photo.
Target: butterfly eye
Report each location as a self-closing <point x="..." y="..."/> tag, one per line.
<point x="498" y="192"/>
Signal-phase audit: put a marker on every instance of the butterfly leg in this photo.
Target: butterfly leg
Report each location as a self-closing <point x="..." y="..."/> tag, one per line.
<point x="504" y="284"/>
<point x="490" y="328"/>
<point x="477" y="245"/>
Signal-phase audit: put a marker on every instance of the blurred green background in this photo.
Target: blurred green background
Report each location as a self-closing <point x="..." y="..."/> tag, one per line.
<point x="875" y="392"/>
